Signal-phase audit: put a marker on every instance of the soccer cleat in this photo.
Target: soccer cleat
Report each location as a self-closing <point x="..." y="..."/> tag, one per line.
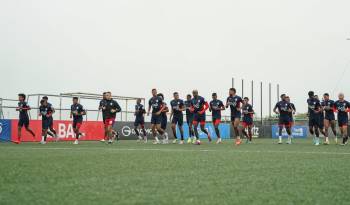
<point x="76" y="142"/>
<point x="103" y="140"/>
<point x="317" y="142"/>
<point x="175" y="141"/>
<point x="209" y="138"/>
<point x="326" y="142"/>
<point x="17" y="142"/>
<point x="43" y="142"/>
<point x="289" y="142"/>
<point x="156" y="142"/>
<point x="194" y="140"/>
<point x="218" y="141"/>
<point x="182" y="142"/>
<point x="280" y="142"/>
<point x="189" y="140"/>
<point x="238" y="141"/>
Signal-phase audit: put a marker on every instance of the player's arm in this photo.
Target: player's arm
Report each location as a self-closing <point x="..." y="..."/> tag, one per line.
<point x="205" y="108"/>
<point x="227" y="103"/>
<point x="210" y="108"/>
<point x="149" y="107"/>
<point x="182" y="107"/>
<point x="71" y="113"/>
<point x="275" y="109"/>
<point x="221" y="107"/>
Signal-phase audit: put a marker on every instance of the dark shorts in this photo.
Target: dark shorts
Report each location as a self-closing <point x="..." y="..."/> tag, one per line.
<point x="164" y="122"/>
<point x="23" y="122"/>
<point x="179" y="120"/>
<point x="343" y="121"/>
<point x="156" y="119"/>
<point x="315" y="122"/>
<point x="47" y="123"/>
<point x="77" y="124"/>
<point x="330" y="117"/>
<point x="247" y="121"/>
<point x="199" y="118"/>
<point x="235" y="115"/>
<point x="139" y="121"/>
<point x="189" y="119"/>
<point x="284" y="121"/>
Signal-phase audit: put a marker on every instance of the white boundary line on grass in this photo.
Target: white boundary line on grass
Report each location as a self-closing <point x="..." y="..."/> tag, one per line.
<point x="186" y="150"/>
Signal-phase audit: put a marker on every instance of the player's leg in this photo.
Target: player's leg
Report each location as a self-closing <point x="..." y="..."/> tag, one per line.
<point x="326" y="131"/>
<point x="195" y="127"/>
<point x="44" y="136"/>
<point x="161" y="132"/>
<point x="244" y="130"/>
<point x="216" y="123"/>
<point x="236" y="130"/>
<point x="317" y="134"/>
<point x="174" y="121"/>
<point x="136" y="128"/>
<point x="289" y="132"/>
<point x="202" y="120"/>
<point x="250" y="133"/>
<point x="280" y="132"/>
<point x="19" y="130"/>
<point x="334" y="130"/>
<point x="76" y="128"/>
<point x="180" y="124"/>
<point x="144" y="132"/>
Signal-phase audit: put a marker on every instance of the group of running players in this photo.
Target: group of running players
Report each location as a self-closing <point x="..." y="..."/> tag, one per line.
<point x="321" y="117"/>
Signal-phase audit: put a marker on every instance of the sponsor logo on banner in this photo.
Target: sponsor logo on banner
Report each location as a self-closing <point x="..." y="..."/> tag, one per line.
<point x="297" y="132"/>
<point x="128" y="131"/>
<point x="255" y="131"/>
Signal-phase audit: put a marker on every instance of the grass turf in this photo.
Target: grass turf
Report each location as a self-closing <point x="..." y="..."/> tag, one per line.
<point x="131" y="173"/>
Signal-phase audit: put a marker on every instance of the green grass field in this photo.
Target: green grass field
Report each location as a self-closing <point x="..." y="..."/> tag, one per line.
<point x="131" y="173"/>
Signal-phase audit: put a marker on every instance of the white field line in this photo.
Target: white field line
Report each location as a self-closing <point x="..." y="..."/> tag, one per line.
<point x="187" y="150"/>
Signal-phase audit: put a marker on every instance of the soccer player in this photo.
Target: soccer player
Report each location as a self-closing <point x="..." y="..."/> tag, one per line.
<point x="23" y="108"/>
<point x="247" y="121"/>
<point x="101" y="106"/>
<point x="234" y="102"/>
<point x="329" y="120"/>
<point x="77" y="112"/>
<point x="156" y="104"/>
<point x="164" y="119"/>
<point x="110" y="110"/>
<point x="291" y="114"/>
<point x="342" y="107"/>
<point x="45" y="111"/>
<point x="199" y="107"/>
<point x="283" y="109"/>
<point x="216" y="106"/>
<point x="176" y="116"/>
<point x="51" y="131"/>
<point x="189" y="119"/>
<point x="140" y="120"/>
<point x="314" y="109"/>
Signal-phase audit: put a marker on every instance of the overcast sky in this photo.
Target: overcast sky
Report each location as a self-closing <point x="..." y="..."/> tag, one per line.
<point x="132" y="46"/>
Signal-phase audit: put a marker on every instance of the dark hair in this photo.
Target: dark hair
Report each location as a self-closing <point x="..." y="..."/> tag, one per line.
<point x="233" y="89"/>
<point x="104" y="93"/>
<point x="75" y="98"/>
<point x="176" y="93"/>
<point x="246" y="98"/>
<point x="311" y="93"/>
<point x="42" y="101"/>
<point x="214" y="94"/>
<point x="45" y="98"/>
<point x="326" y="94"/>
<point x="283" y="95"/>
<point x="189" y="95"/>
<point x="160" y="95"/>
<point x="153" y="89"/>
<point x="22" y="95"/>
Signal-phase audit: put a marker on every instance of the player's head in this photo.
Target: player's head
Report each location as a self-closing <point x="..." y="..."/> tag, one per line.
<point x="341" y="96"/>
<point x="176" y="95"/>
<point x="108" y="95"/>
<point x="232" y="91"/>
<point x="195" y="93"/>
<point x="154" y="92"/>
<point x="311" y="94"/>
<point x="75" y="100"/>
<point x="326" y="96"/>
<point x="104" y="95"/>
<point x="189" y="97"/>
<point x="283" y="97"/>
<point x="43" y="102"/>
<point x="138" y="101"/>
<point x="215" y="96"/>
<point x="287" y="98"/>
<point x="45" y="98"/>
<point x="21" y="97"/>
<point x="161" y="96"/>
<point x="246" y="100"/>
